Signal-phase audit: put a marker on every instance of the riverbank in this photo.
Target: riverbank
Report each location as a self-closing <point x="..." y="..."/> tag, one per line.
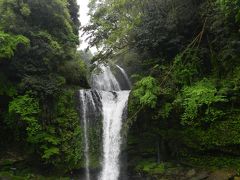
<point x="187" y="168"/>
<point x="19" y="169"/>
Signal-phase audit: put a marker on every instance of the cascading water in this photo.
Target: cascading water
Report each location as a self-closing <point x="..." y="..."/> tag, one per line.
<point x="105" y="80"/>
<point x="108" y="97"/>
<point x="125" y="76"/>
<point x="113" y="106"/>
<point x="85" y="126"/>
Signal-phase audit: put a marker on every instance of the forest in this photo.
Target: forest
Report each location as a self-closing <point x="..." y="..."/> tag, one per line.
<point x="183" y="112"/>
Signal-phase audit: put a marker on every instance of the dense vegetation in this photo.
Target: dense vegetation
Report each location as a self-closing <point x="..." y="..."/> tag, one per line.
<point x="184" y="57"/>
<point x="40" y="71"/>
<point x="184" y="60"/>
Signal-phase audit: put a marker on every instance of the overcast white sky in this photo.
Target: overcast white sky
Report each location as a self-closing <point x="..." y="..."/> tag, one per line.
<point x="84" y="19"/>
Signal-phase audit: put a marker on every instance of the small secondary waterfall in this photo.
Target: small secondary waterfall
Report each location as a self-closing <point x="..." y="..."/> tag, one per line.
<point x="125" y="76"/>
<point x="106" y="99"/>
<point x="85" y="126"/>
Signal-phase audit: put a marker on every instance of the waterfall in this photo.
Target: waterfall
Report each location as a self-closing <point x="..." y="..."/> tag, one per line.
<point x="113" y="106"/>
<point x="85" y="126"/>
<point x="125" y="76"/>
<point x="107" y="99"/>
<point x="105" y="80"/>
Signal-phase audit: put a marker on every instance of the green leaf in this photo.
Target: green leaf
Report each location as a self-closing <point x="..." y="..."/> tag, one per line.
<point x="146" y="91"/>
<point x="8" y="44"/>
<point x="49" y="152"/>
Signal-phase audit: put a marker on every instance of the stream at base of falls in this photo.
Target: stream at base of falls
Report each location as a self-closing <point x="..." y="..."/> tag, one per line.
<point x="107" y="101"/>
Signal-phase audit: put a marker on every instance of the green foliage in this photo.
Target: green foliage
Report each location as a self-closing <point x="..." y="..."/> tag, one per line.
<point x="199" y="99"/>
<point x="213" y="163"/>
<point x="8" y="44"/>
<point x="223" y="134"/>
<point x="166" y="110"/>
<point x="191" y="47"/>
<point x="75" y="72"/>
<point x="25" y="10"/>
<point x="28" y="176"/>
<point x="186" y="67"/>
<point x="111" y="23"/>
<point x="50" y="152"/>
<point x="146" y="91"/>
<point x="230" y="8"/>
<point x="59" y="144"/>
<point x="151" y="27"/>
<point x="48" y="143"/>
<point x="6" y="87"/>
<point x="164" y="27"/>
<point x="74" y="13"/>
<point x="150" y="167"/>
<point x="38" y="54"/>
<point x="197" y="110"/>
<point x="68" y="132"/>
<point x="24" y="106"/>
<point x="26" y="109"/>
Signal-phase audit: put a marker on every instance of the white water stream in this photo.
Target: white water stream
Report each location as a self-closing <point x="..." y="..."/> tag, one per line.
<point x="113" y="106"/>
<point x="105" y="80"/>
<point x="125" y="76"/>
<point x="113" y="102"/>
<point x="85" y="127"/>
